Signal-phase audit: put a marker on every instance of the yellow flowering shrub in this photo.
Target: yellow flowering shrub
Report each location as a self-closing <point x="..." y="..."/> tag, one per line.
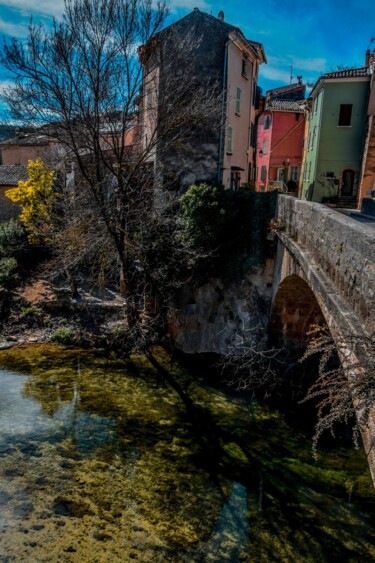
<point x="36" y="196"/>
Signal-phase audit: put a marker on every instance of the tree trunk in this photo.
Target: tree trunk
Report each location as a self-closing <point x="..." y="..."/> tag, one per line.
<point x="73" y="284"/>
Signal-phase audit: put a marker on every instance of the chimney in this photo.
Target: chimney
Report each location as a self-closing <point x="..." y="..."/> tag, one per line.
<point x="367" y="57"/>
<point x="221" y="16"/>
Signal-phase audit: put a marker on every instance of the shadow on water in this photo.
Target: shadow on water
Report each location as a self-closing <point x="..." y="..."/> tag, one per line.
<point x="111" y="461"/>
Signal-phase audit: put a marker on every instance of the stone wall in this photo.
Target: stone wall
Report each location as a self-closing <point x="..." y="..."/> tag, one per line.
<point x="214" y="317"/>
<point x="341" y="248"/>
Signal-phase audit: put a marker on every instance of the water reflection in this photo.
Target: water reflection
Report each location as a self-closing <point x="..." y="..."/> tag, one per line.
<point x="103" y="461"/>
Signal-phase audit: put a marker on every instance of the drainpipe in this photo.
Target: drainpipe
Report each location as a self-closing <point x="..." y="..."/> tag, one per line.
<point x="222" y="125"/>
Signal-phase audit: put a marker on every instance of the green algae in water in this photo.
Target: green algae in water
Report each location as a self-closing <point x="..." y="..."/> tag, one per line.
<point x="106" y="461"/>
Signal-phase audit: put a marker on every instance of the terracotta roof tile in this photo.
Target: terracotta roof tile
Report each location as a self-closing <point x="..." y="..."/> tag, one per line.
<point x="11" y="175"/>
<point x="285" y="105"/>
<point x="348" y="73"/>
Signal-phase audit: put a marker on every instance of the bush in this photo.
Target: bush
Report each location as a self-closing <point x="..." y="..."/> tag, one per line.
<point x="13" y="240"/>
<point x="207" y="212"/>
<point x="228" y="228"/>
<point x="63" y="336"/>
<point x="7" y="272"/>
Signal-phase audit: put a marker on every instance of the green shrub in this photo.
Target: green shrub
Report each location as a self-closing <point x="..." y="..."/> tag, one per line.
<point x="32" y="312"/>
<point x="229" y="229"/>
<point x="13" y="241"/>
<point x="63" y="336"/>
<point x="8" y="268"/>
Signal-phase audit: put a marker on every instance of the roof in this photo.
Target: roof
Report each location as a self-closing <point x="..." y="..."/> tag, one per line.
<point x="26" y="139"/>
<point x="256" y="47"/>
<point x="285" y="105"/>
<point x="283" y="89"/>
<point x="295" y="91"/>
<point x="11" y="175"/>
<point x="362" y="72"/>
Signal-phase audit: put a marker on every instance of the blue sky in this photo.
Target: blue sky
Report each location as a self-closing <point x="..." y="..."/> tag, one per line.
<point x="313" y="37"/>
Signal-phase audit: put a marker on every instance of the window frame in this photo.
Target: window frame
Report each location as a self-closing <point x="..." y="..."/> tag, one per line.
<point x="244" y="67"/>
<point x="263" y="173"/>
<point x="229" y="143"/>
<point x="345" y="115"/>
<point x="267" y="122"/>
<point x="238" y="101"/>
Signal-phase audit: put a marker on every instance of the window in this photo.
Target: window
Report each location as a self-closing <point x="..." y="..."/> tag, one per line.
<point x="304" y="171"/>
<point x="263" y="173"/>
<point x="313" y="137"/>
<point x="230" y="140"/>
<point x="309" y="143"/>
<point x="235" y="180"/>
<point x="294" y="173"/>
<point x="256" y="173"/>
<point x="317" y="103"/>
<point x="345" y="116"/>
<point x="308" y="172"/>
<point x="267" y="122"/>
<point x="238" y="101"/>
<point x="244" y="67"/>
<point x="265" y="147"/>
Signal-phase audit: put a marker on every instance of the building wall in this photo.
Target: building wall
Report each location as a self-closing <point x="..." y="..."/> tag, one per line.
<point x="239" y="122"/>
<point x="335" y="148"/>
<point x="287" y="142"/>
<point x="21" y="154"/>
<point x="197" y="44"/>
<point x="368" y="165"/>
<point x="311" y="144"/>
<point x="304" y="150"/>
<point x="284" y="146"/>
<point x="199" y="40"/>
<point x="261" y="158"/>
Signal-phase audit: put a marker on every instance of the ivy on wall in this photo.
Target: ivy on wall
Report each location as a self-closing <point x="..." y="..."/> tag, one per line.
<point x="229" y="228"/>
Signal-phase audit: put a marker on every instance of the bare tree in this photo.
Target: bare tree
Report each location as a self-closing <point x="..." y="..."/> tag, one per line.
<point x="345" y="388"/>
<point x="251" y="365"/>
<point x="84" y="82"/>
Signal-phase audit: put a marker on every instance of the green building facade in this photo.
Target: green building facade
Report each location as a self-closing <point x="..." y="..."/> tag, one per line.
<point x="334" y="146"/>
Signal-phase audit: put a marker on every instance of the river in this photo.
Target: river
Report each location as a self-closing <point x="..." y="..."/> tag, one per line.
<point x="104" y="460"/>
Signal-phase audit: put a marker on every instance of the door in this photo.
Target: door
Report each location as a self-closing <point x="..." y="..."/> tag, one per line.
<point x="347" y="185"/>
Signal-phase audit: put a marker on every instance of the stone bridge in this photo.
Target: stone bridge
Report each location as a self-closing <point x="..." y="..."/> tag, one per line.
<point x="324" y="270"/>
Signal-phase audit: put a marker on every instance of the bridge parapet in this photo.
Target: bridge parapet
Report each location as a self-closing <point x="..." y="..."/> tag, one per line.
<point x="340" y="246"/>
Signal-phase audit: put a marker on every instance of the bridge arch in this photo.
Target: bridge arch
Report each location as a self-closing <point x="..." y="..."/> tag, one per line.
<point x="295" y="311"/>
<point x="334" y="256"/>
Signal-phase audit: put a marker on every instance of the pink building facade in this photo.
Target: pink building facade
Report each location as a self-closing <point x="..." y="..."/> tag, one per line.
<point x="280" y="135"/>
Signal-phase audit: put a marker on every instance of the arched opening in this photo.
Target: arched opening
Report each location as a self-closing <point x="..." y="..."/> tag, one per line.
<point x="294" y="313"/>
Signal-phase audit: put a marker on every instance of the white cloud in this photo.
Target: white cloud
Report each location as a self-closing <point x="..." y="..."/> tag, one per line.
<point x="29" y="7"/>
<point x="14" y="29"/>
<point x="190" y="4"/>
<point x="274" y="73"/>
<point x="5" y="84"/>
<point x="317" y="64"/>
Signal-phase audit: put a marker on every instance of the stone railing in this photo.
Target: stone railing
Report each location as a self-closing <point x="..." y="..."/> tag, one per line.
<point x="343" y="248"/>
